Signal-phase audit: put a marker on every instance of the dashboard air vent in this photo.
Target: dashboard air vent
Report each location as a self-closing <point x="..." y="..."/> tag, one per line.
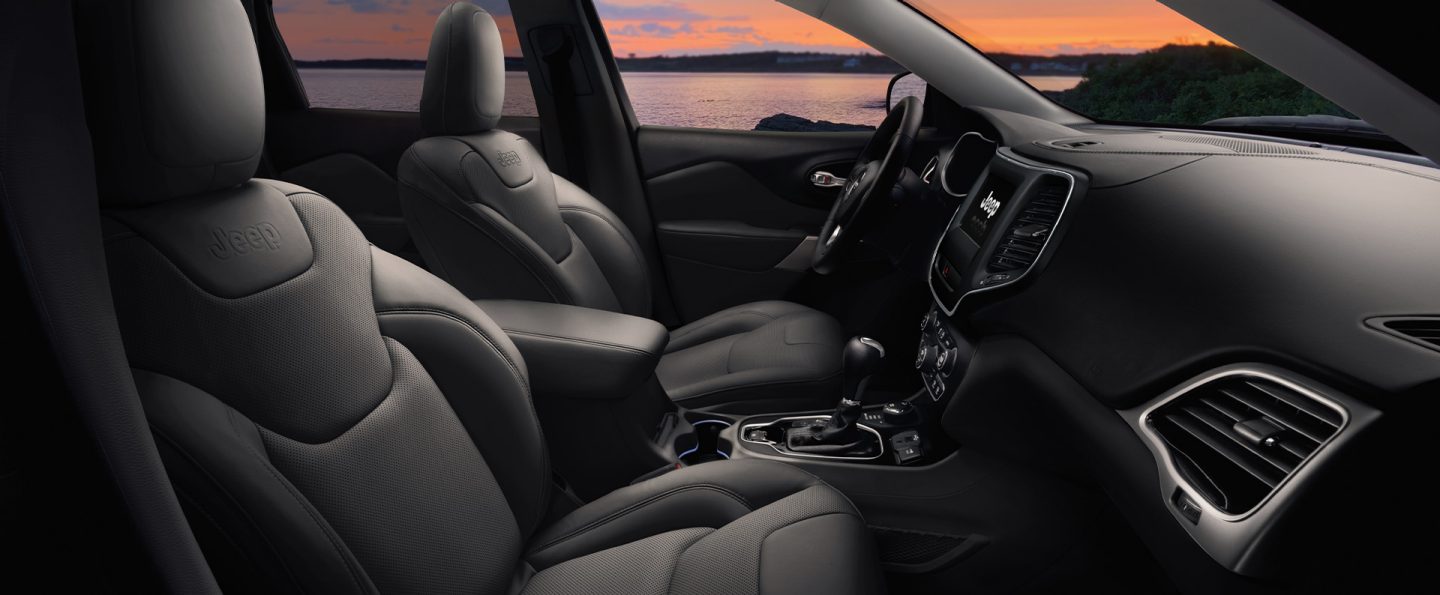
<point x="1236" y="438"/>
<point x="1026" y="236"/>
<point x="1421" y="330"/>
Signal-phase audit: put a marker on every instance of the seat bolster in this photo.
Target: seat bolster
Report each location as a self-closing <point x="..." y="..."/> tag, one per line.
<point x="260" y="528"/>
<point x="610" y="243"/>
<point x="464" y="351"/>
<point x="790" y="562"/>
<point x="455" y="230"/>
<point x="731" y="321"/>
<point x="710" y="495"/>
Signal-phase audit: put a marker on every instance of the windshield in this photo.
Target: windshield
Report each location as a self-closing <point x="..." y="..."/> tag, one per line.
<point x="1133" y="61"/>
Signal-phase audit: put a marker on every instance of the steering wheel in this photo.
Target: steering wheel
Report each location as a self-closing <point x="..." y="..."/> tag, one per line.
<point x="876" y="171"/>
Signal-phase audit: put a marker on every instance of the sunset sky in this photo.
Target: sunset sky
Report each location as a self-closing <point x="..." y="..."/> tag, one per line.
<point x="346" y="29"/>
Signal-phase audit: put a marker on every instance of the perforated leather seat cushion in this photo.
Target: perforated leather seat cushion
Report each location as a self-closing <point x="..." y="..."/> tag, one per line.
<point x="731" y="528"/>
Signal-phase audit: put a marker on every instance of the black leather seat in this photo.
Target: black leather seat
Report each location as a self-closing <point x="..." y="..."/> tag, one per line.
<point x="336" y="420"/>
<point x="490" y="218"/>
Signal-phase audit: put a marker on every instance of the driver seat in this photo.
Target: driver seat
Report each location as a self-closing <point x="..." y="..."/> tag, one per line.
<point x="490" y="218"/>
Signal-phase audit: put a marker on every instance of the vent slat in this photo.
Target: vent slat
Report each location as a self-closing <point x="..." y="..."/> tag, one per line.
<point x="1235" y="471"/>
<point x="1237" y="455"/>
<point x="1277" y="458"/>
<point x="1424" y="332"/>
<point x="1300" y="451"/>
<point x="1326" y="415"/>
<point x="1290" y="417"/>
<point x="1017" y="252"/>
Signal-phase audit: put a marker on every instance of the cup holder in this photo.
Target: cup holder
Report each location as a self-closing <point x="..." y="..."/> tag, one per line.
<point x="704" y="444"/>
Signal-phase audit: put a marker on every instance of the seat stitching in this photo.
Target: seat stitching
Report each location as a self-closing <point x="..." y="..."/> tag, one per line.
<point x="315" y="516"/>
<point x="728" y="316"/>
<point x="759" y="572"/>
<point x="514" y="369"/>
<point x="587" y="527"/>
<point x="507" y="243"/>
<point x="221" y="486"/>
<point x="759" y="384"/>
<point x="624" y="234"/>
<point x="511" y="331"/>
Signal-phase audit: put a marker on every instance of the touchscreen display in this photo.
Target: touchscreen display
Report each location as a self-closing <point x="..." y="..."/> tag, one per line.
<point x="985" y="208"/>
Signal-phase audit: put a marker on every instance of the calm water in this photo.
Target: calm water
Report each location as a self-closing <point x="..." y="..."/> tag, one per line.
<point x="706" y="100"/>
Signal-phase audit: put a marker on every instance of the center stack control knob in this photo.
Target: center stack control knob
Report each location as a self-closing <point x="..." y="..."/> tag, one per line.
<point x="925" y="358"/>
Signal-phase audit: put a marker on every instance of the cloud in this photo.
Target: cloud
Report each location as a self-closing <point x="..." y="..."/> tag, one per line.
<point x="398" y="28"/>
<point x="495" y="7"/>
<point x="652" y="30"/>
<point x="663" y="11"/>
<point x="348" y="41"/>
<point x="732" y="30"/>
<point x="372" y="6"/>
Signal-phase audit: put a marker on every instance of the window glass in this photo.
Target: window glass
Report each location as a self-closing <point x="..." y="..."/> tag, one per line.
<point x="1129" y="60"/>
<point x="370" y="54"/>
<point x="743" y="65"/>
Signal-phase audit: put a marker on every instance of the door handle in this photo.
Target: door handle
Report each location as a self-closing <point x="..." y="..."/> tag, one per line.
<point x="825" y="179"/>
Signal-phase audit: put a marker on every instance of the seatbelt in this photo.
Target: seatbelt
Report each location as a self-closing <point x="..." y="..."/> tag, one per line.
<point x="557" y="51"/>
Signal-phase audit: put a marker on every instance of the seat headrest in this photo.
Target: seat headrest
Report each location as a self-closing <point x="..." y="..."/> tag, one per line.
<point x="173" y="95"/>
<point x="464" y="89"/>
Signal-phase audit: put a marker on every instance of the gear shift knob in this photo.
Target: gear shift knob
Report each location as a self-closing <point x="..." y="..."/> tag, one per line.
<point x="862" y="359"/>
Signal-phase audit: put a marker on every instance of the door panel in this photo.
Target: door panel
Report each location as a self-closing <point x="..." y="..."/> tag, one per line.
<point x="733" y="209"/>
<point x="350" y="156"/>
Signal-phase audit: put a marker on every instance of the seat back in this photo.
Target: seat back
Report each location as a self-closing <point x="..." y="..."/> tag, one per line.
<point x="334" y="419"/>
<point x="483" y="207"/>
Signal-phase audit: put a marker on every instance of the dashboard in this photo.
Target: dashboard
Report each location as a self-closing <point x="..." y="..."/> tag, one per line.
<point x="1242" y="315"/>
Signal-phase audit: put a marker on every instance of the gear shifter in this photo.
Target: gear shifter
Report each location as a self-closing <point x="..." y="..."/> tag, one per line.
<point x="841" y="433"/>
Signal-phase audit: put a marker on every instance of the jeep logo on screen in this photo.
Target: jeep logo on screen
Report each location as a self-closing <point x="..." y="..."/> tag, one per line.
<point x="260" y="237"/>
<point x="508" y="158"/>
<point x="990" y="205"/>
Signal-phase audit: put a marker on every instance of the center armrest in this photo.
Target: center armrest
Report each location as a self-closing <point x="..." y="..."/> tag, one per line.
<point x="580" y="352"/>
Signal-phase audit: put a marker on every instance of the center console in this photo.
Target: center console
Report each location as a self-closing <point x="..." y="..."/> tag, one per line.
<point x="901" y="432"/>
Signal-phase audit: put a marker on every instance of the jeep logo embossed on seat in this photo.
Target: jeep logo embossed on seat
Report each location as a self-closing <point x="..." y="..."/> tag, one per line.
<point x="252" y="238"/>
<point x="508" y="158"/>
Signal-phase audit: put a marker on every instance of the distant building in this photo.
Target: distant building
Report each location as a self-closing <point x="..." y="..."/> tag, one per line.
<point x="851" y="63"/>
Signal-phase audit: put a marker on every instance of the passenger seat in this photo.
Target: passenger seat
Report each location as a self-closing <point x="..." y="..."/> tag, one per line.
<point x="490" y="218"/>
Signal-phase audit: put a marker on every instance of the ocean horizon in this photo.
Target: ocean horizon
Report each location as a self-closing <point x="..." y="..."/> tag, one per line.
<point x="729" y="100"/>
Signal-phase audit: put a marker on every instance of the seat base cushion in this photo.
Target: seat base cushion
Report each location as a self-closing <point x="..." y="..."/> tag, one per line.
<point x="731" y="527"/>
<point x="758" y="357"/>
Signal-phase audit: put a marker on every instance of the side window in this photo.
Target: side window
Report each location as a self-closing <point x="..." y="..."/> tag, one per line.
<point x="370" y="54"/>
<point x="743" y="65"/>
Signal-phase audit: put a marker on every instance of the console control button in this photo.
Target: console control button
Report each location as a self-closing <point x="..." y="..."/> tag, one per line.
<point x="908" y="446"/>
<point x="925" y="358"/>
<point x="900" y="413"/>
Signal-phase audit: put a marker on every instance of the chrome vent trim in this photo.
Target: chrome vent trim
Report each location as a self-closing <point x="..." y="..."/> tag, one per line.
<point x="1235" y="438"/>
<point x="1420" y="330"/>
<point x="1231" y="537"/>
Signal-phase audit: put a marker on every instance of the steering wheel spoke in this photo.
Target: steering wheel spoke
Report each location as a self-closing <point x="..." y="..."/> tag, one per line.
<point x="876" y="170"/>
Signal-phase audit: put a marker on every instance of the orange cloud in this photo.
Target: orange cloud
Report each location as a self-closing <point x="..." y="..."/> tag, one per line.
<point x="347" y="29"/>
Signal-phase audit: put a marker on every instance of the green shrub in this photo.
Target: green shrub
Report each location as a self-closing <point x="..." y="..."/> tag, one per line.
<point x="1191" y="84"/>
